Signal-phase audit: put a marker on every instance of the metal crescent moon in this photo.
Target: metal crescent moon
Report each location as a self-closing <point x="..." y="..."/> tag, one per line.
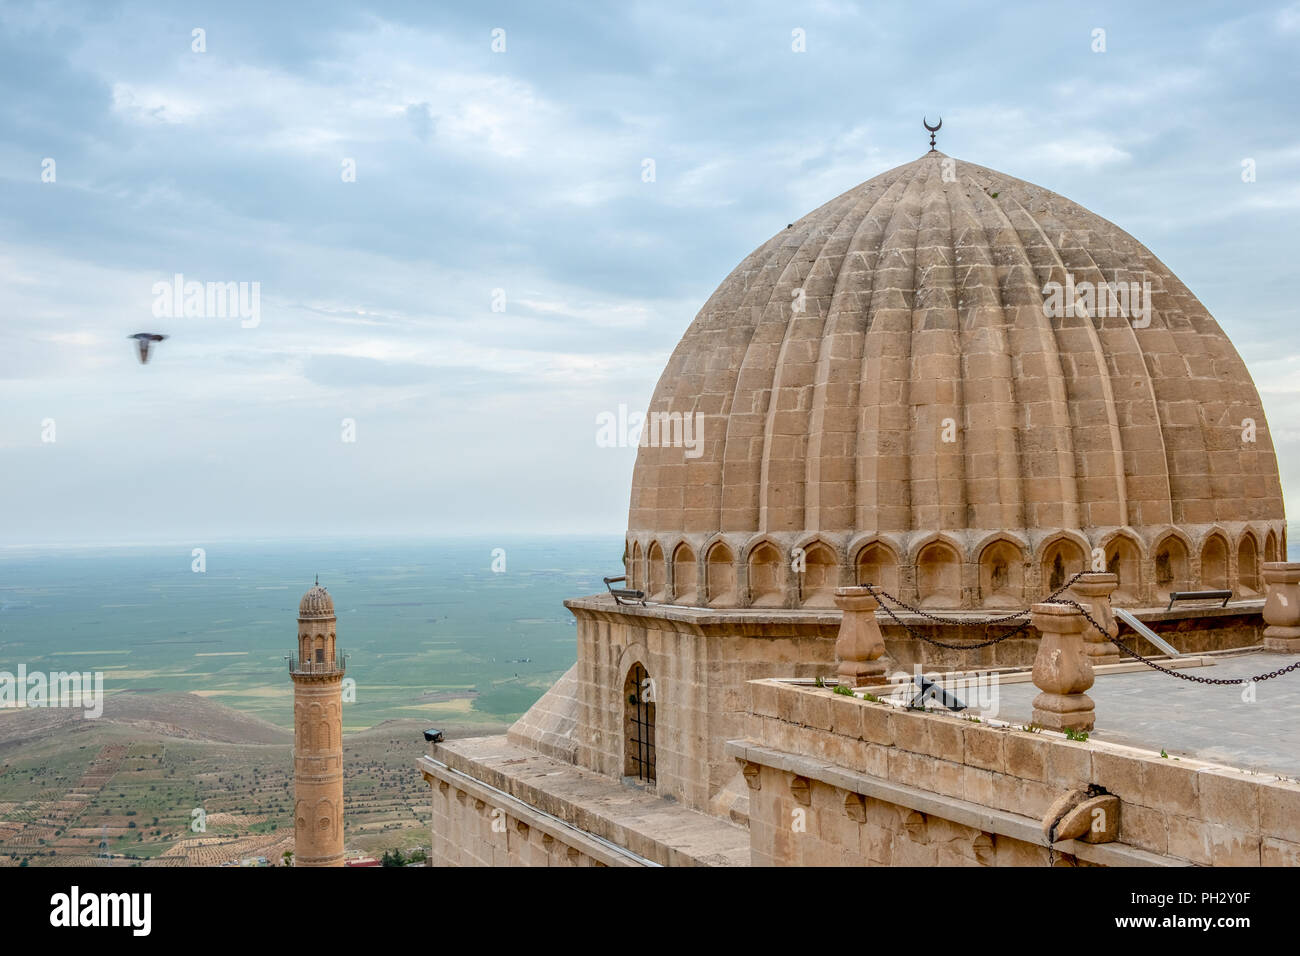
<point x="926" y="123"/>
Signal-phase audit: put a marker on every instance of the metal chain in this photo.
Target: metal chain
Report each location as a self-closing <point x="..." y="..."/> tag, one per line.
<point x="930" y="640"/>
<point x="1054" y="598"/>
<point x="1220" y="681"/>
<point x="989" y="622"/>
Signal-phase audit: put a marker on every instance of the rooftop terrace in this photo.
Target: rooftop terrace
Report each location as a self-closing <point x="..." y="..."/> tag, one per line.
<point x="1146" y="709"/>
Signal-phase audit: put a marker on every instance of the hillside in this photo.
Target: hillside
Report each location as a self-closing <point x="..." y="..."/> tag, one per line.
<point x="184" y="716"/>
<point x="123" y="789"/>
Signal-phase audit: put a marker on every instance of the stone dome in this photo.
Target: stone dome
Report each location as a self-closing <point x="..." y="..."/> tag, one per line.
<point x="316" y="604"/>
<point x="911" y="386"/>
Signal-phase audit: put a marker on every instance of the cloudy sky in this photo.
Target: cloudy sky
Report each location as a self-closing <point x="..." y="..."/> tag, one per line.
<point x="521" y="171"/>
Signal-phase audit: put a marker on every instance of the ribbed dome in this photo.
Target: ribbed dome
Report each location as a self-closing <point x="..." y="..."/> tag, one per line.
<point x="922" y="393"/>
<point x="316" y="603"/>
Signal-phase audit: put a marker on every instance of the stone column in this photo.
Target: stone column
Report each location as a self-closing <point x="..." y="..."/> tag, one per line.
<point x="1093" y="592"/>
<point x="1282" y="606"/>
<point x="1062" y="670"/>
<point x="860" y="647"/>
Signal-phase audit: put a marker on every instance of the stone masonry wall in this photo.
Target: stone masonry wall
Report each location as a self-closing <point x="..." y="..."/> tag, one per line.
<point x="468" y="830"/>
<point x="878" y="833"/>
<point x="1179" y="811"/>
<point x="699" y="666"/>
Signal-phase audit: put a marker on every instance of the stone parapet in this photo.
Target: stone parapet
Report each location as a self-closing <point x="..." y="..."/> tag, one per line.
<point x="484" y="786"/>
<point x="1174" y="812"/>
<point x="940" y="830"/>
<point x="476" y="825"/>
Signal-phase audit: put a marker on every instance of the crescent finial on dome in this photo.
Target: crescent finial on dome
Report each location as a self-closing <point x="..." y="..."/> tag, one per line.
<point x="925" y="121"/>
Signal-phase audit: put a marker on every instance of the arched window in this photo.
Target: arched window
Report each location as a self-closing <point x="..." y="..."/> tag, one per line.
<point x="639" y="724"/>
<point x="685" y="589"/>
<point x="938" y="576"/>
<point x="877" y="565"/>
<point x="326" y="817"/>
<point x="1002" y="575"/>
<point x="656" y="573"/>
<point x="720" y="578"/>
<point x="1062" y="560"/>
<point x="1214" y="563"/>
<point x="820" y="576"/>
<point x="765" y="573"/>
<point x="1171" y="567"/>
<point x="316" y="724"/>
<point x="1248" y="565"/>
<point x="1124" y="561"/>
<point x="635" y="577"/>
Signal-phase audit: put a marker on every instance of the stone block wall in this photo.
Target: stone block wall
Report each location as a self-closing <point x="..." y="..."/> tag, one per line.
<point x="699" y="662"/>
<point x="870" y="832"/>
<point x="471" y="829"/>
<point x="890" y="786"/>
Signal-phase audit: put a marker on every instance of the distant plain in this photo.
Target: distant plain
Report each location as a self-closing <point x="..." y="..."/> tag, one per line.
<point x="433" y="633"/>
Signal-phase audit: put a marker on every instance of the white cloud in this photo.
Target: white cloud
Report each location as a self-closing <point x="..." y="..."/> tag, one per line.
<point x="144" y="105"/>
<point x="1080" y="150"/>
<point x="1271" y="198"/>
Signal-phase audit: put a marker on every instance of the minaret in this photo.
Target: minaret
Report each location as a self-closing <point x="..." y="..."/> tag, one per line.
<point x="317" y="673"/>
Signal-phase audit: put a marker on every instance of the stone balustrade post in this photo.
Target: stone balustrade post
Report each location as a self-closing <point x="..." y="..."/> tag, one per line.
<point x="1062" y="670"/>
<point x="1282" y="606"/>
<point x="860" y="646"/>
<point x="1093" y="591"/>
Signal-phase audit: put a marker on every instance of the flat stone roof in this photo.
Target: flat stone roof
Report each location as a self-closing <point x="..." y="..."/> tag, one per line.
<point x="1151" y="711"/>
<point x="660" y="830"/>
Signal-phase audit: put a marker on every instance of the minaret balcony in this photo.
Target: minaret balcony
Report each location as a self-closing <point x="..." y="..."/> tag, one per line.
<point x="319" y="668"/>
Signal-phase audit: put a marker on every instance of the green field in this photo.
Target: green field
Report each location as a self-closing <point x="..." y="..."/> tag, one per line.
<point x="432" y="632"/>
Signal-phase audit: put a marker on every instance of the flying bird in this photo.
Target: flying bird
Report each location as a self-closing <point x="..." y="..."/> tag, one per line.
<point x="143" y="341"/>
